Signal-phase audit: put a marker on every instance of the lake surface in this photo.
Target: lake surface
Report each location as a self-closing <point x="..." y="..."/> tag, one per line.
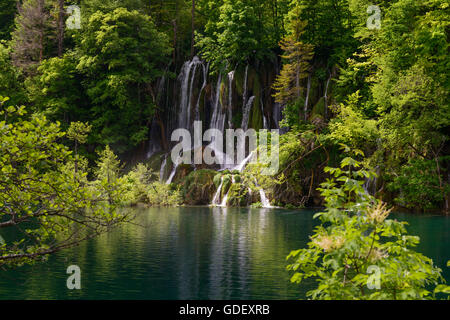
<point x="195" y="253"/>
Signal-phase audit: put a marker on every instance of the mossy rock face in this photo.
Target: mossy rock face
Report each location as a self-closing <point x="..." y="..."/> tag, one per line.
<point x="239" y="76"/>
<point x="256" y="118"/>
<point x="183" y="171"/>
<point x="198" y="187"/>
<point x="226" y="184"/>
<point x="238" y="195"/>
<point x="217" y="180"/>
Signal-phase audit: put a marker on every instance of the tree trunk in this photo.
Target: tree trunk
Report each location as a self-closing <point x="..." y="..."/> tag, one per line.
<point x="60" y="35"/>
<point x="308" y="89"/>
<point x="163" y="132"/>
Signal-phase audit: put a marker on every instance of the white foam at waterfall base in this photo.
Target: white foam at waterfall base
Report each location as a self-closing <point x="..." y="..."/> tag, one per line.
<point x="240" y="167"/>
<point x="217" y="195"/>
<point x="172" y="175"/>
<point x="174" y="170"/>
<point x="262" y="194"/>
<point x="186" y="78"/>
<point x="264" y="201"/>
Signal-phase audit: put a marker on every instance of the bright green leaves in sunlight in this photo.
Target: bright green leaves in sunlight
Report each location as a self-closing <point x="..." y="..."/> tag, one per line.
<point x="357" y="252"/>
<point x="121" y="53"/>
<point x="238" y="36"/>
<point x="40" y="196"/>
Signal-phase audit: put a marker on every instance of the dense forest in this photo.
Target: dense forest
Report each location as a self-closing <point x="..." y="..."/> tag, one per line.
<point x="317" y="69"/>
<point x="92" y="90"/>
<point x="125" y="74"/>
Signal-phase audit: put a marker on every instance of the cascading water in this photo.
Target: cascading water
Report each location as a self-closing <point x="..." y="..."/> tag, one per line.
<point x="163" y="167"/>
<point x="172" y="174"/>
<point x="218" y="117"/>
<point x="218" y="122"/>
<point x="205" y="79"/>
<point x="225" y="199"/>
<point x="265" y="122"/>
<point x="246" y="113"/>
<point x="370" y="184"/>
<point x="262" y="194"/>
<point x="230" y="98"/>
<point x="187" y="77"/>
<point x="216" y="199"/>
<point x="244" y="95"/>
<point x="240" y="167"/>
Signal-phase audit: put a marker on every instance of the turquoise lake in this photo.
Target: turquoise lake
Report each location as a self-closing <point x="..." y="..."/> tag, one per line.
<point x="196" y="253"/>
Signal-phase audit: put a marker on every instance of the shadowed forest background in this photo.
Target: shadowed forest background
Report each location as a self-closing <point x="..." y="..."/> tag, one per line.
<point x="91" y="91"/>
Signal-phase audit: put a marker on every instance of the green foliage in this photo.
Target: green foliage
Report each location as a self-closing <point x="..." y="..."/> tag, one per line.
<point x="7" y="12"/>
<point x="351" y="127"/>
<point x="138" y="181"/>
<point x="57" y="90"/>
<point x="199" y="186"/>
<point x="418" y="185"/>
<point x="109" y="182"/>
<point x="354" y="239"/>
<point x="329" y="29"/>
<point x="10" y="85"/>
<point x="235" y="37"/>
<point x="163" y="195"/>
<point x="121" y="53"/>
<point x="296" y="67"/>
<point x="40" y="196"/>
<point x="78" y="132"/>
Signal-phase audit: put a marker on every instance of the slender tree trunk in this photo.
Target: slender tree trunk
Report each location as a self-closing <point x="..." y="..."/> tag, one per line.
<point x="326" y="97"/>
<point x="163" y="132"/>
<point x="76" y="156"/>
<point x="308" y="88"/>
<point x="60" y="36"/>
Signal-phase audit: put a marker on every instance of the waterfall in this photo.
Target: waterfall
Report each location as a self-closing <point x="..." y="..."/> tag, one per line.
<point x="187" y="77"/>
<point x="262" y="194"/>
<point x="264" y="201"/>
<point x="308" y="89"/>
<point x="370" y="184"/>
<point x="205" y="78"/>
<point x="176" y="163"/>
<point x="265" y="122"/>
<point x="163" y="167"/>
<point x="240" y="167"/>
<point x="225" y="199"/>
<point x="172" y="174"/>
<point x="249" y="201"/>
<point x="246" y="113"/>
<point x="218" y="118"/>
<point x="244" y="95"/>
<point x="216" y="198"/>
<point x="153" y="147"/>
<point x="218" y="122"/>
<point x="230" y="98"/>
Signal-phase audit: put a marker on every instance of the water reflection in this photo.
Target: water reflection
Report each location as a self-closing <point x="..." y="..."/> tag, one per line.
<point x="193" y="253"/>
